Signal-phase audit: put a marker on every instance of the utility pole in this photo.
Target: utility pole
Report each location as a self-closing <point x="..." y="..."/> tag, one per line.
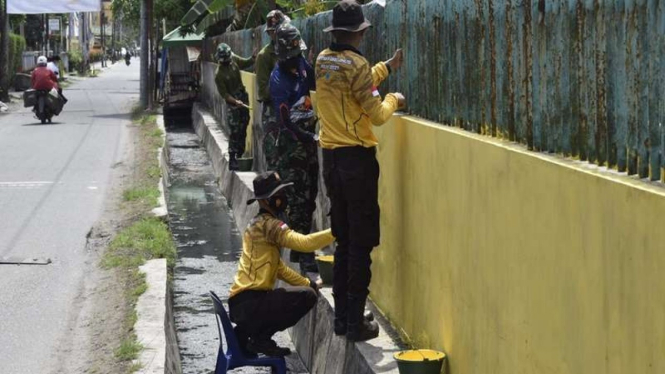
<point x="113" y="41"/>
<point x="153" y="54"/>
<point x="145" y="52"/>
<point x="4" y="52"/>
<point x="102" y="32"/>
<point x="84" y="42"/>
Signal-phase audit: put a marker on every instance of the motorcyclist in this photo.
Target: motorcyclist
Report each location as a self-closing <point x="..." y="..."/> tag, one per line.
<point x="44" y="79"/>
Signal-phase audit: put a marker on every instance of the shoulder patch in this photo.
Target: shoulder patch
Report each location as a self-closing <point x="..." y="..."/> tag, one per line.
<point x="283" y="226"/>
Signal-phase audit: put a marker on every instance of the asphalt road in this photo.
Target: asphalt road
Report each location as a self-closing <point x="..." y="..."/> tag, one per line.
<point x="53" y="183"/>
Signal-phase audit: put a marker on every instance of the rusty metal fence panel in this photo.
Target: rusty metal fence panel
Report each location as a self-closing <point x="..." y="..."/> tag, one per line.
<point x="582" y="78"/>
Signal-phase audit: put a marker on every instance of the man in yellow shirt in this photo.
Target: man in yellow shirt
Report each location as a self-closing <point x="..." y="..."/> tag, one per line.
<point x="257" y="309"/>
<point x="348" y="104"/>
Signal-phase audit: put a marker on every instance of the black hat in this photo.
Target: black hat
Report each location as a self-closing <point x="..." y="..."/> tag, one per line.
<point x="348" y="16"/>
<point x="266" y="185"/>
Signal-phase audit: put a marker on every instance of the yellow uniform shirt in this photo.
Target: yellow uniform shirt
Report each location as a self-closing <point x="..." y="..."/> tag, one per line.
<point x="261" y="264"/>
<point x="348" y="101"/>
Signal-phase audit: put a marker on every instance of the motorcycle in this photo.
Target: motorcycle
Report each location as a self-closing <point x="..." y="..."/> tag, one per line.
<point x="45" y="104"/>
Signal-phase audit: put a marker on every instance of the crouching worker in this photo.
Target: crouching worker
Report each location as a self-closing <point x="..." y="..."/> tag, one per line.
<point x="256" y="307"/>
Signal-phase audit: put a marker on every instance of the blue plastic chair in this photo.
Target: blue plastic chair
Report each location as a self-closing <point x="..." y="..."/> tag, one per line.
<point x="233" y="358"/>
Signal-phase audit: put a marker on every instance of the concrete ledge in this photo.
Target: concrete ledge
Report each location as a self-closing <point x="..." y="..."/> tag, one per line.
<point x="161" y="211"/>
<point x="236" y="187"/>
<point x="151" y="312"/>
<point x="321" y="351"/>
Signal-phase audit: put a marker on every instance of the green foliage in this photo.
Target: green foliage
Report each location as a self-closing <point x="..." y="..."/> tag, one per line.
<point x="129" y="349"/>
<point x="129" y="11"/>
<point x="16" y="49"/>
<point x="75" y="59"/>
<point x="146" y="239"/>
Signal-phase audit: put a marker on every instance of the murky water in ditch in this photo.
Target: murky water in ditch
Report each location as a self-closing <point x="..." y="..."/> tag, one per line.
<point x="209" y="245"/>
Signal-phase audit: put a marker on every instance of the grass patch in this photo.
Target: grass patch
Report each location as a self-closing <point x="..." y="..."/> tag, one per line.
<point x="144" y="240"/>
<point x="149" y="195"/>
<point x="129" y="349"/>
<point x="144" y="237"/>
<point x="154" y="171"/>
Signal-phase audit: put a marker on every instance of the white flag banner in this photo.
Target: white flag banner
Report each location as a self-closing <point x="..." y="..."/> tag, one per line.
<point x="52" y="6"/>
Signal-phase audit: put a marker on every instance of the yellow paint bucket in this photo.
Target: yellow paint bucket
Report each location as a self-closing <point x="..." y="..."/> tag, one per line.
<point x="325" y="264"/>
<point x="420" y="361"/>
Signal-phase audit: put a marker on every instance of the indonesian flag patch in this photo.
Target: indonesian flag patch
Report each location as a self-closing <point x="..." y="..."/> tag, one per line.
<point x="375" y="91"/>
<point x="284" y="226"/>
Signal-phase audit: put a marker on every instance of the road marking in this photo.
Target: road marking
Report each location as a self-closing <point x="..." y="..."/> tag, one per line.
<point x="34" y="184"/>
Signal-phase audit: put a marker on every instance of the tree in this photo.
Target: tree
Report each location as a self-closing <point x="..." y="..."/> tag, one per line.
<point x="4" y="52"/>
<point x="129" y="11"/>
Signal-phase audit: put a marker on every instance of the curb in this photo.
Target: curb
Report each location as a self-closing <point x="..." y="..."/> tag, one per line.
<point x="150" y="311"/>
<point x="321" y="350"/>
<point x="161" y="211"/>
<point x="155" y="325"/>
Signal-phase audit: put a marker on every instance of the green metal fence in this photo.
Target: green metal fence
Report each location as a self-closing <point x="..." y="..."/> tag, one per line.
<point x="581" y="78"/>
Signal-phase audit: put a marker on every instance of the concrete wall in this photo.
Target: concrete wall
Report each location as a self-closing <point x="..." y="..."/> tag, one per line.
<point x="513" y="262"/>
<point x="516" y="262"/>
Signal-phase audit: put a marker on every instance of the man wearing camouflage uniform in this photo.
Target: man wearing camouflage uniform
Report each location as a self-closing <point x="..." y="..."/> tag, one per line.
<point x="230" y="87"/>
<point x="265" y="63"/>
<point x="291" y="145"/>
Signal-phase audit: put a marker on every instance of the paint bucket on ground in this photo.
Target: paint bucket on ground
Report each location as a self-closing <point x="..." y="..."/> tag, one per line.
<point x="325" y="264"/>
<point x="419" y="361"/>
<point x="245" y="164"/>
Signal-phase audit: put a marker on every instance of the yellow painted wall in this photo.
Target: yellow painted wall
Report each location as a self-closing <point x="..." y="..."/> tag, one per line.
<point x="249" y="80"/>
<point x="514" y="262"/>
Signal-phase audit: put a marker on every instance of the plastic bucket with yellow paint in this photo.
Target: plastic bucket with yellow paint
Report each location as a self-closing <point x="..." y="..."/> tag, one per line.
<point x="325" y="264"/>
<point x="420" y="361"/>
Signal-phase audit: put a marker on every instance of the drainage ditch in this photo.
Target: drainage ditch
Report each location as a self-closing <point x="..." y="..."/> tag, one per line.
<point x="209" y="245"/>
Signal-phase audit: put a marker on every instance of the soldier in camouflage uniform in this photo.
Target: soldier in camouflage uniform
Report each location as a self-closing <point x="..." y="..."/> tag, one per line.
<point x="265" y="63"/>
<point x="230" y="87"/>
<point x="291" y="145"/>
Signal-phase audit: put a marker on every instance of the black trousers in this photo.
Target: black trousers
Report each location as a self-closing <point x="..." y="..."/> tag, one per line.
<point x="351" y="175"/>
<point x="260" y="314"/>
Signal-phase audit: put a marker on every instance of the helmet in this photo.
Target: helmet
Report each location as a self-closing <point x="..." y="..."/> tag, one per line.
<point x="274" y="19"/>
<point x="223" y="53"/>
<point x="41" y="60"/>
<point x="302" y="112"/>
<point x="289" y="42"/>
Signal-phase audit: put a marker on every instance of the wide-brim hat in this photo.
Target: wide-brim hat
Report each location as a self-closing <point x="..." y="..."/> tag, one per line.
<point x="348" y="16"/>
<point x="267" y="185"/>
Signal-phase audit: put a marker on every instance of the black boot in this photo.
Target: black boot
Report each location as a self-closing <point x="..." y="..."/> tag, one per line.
<point x="268" y="347"/>
<point x="358" y="328"/>
<point x="233" y="162"/>
<point x="243" y="341"/>
<point x="339" y="325"/>
<point x="308" y="263"/>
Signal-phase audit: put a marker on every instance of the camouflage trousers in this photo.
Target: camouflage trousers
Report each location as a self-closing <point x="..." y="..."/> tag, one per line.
<point x="298" y="163"/>
<point x="237" y="120"/>
<point x="268" y="117"/>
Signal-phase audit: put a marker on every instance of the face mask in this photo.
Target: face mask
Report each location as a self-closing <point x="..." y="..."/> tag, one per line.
<point x="278" y="203"/>
<point x="290" y="64"/>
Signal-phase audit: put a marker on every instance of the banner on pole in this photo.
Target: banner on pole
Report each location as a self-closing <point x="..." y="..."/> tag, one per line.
<point x="52" y="6"/>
